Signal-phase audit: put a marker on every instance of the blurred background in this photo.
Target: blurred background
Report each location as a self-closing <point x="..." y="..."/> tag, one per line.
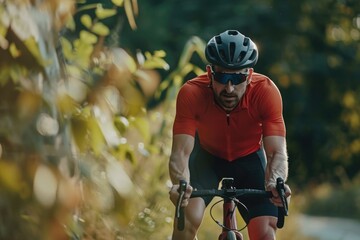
<point x="87" y="94"/>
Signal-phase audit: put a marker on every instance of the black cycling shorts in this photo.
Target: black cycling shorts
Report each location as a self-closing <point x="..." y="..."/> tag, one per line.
<point x="207" y="170"/>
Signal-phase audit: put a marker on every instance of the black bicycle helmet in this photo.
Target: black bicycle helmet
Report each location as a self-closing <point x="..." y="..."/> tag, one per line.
<point x="231" y="50"/>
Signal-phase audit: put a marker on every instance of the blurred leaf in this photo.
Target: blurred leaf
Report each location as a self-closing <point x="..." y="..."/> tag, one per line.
<point x="67" y="48"/>
<point x="102" y="13"/>
<point x="142" y="125"/>
<point x="70" y="24"/>
<point x="45" y="186"/>
<point x="118" y="3"/>
<point x="97" y="141"/>
<point x="28" y="103"/>
<point x="100" y="29"/>
<point x="160" y="53"/>
<point x="14" y="51"/>
<point x="33" y="48"/>
<point x="155" y="61"/>
<point x="117" y="176"/>
<point x="121" y="123"/>
<point x="10" y="176"/>
<point x="129" y="13"/>
<point x="86" y="20"/>
<point x="67" y="105"/>
<point x="88" y="37"/>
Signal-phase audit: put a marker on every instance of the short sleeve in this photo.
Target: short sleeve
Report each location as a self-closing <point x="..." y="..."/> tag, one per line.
<point x="185" y="118"/>
<point x="271" y="108"/>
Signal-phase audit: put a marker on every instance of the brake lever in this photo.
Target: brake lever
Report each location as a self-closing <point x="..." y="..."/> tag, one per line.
<point x="282" y="211"/>
<point x="179" y="214"/>
<point x="280" y="187"/>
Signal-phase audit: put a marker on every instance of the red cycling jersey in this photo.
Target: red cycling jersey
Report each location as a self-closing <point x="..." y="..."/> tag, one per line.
<point x="235" y="134"/>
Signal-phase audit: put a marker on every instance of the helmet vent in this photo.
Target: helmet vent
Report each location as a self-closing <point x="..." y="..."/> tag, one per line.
<point x="246" y="42"/>
<point x="222" y="54"/>
<point x="232" y="50"/>
<point x="232" y="32"/>
<point x="253" y="55"/>
<point x="242" y="55"/>
<point x="218" y="40"/>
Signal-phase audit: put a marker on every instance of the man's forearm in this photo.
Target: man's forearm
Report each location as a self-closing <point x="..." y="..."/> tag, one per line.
<point x="178" y="170"/>
<point x="277" y="166"/>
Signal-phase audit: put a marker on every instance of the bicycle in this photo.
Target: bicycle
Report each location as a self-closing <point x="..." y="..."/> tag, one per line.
<point x="231" y="198"/>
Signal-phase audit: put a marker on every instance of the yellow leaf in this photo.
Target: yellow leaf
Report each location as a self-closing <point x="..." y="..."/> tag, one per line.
<point x="14" y="51"/>
<point x="160" y="53"/>
<point x="97" y="141"/>
<point x="100" y="29"/>
<point x="156" y="63"/>
<point x="130" y="14"/>
<point x="118" y="3"/>
<point x="10" y="176"/>
<point x="102" y="13"/>
<point x="67" y="105"/>
<point x="33" y="48"/>
<point x="67" y="48"/>
<point x="88" y="37"/>
<point x="86" y="20"/>
<point x="142" y="125"/>
<point x="70" y="24"/>
<point x="122" y="124"/>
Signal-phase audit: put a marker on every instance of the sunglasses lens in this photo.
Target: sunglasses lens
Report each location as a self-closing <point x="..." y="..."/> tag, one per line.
<point x="235" y="78"/>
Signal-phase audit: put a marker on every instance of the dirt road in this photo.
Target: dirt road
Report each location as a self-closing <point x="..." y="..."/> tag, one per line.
<point x="326" y="228"/>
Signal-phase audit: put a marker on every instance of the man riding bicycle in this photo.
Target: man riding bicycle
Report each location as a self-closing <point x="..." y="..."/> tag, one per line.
<point x="229" y="123"/>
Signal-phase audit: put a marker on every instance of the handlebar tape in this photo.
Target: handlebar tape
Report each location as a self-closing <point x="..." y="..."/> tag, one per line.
<point x="180" y="213"/>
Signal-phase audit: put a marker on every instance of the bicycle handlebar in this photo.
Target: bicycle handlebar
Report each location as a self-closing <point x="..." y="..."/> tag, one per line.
<point x="233" y="193"/>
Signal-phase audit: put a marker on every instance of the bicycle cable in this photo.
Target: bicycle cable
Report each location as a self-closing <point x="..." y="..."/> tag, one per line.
<point x="237" y="204"/>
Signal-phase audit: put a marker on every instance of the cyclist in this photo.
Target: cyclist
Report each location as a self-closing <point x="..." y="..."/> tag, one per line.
<point x="229" y="123"/>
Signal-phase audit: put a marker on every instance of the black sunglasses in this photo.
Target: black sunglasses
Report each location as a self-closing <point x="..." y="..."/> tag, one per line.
<point x="224" y="78"/>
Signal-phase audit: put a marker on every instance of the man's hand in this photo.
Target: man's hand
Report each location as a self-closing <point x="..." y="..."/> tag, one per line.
<point x="276" y="200"/>
<point x="174" y="195"/>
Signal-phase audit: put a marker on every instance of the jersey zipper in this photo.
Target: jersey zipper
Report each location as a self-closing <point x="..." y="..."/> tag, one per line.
<point x="228" y="119"/>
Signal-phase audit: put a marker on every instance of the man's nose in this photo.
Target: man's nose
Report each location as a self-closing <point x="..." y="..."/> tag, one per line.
<point x="229" y="87"/>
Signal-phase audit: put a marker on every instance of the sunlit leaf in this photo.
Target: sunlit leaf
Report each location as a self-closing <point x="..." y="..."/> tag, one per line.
<point x="70" y="24"/>
<point x="88" y="37"/>
<point x="45" y="186"/>
<point x="67" y="49"/>
<point x="118" y="3"/>
<point x="86" y="20"/>
<point x="10" y="176"/>
<point x="156" y="63"/>
<point x="33" y="48"/>
<point x="14" y="51"/>
<point x="28" y="103"/>
<point x="100" y="29"/>
<point x="102" y="13"/>
<point x="117" y="176"/>
<point x="122" y="124"/>
<point x="130" y="14"/>
<point x="97" y="141"/>
<point x="67" y="105"/>
<point x="142" y="125"/>
<point x="160" y="53"/>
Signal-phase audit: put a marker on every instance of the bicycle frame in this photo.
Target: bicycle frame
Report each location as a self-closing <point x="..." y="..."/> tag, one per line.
<point x="229" y="213"/>
<point x="229" y="220"/>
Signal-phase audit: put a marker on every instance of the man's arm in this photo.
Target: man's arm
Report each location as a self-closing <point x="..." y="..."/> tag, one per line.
<point x="277" y="159"/>
<point x="277" y="165"/>
<point x="182" y="147"/>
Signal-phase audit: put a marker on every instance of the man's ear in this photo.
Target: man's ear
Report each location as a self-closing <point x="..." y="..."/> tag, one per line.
<point x="251" y="70"/>
<point x="209" y="72"/>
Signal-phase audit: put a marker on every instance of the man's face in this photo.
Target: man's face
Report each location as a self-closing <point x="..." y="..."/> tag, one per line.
<point x="228" y="86"/>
